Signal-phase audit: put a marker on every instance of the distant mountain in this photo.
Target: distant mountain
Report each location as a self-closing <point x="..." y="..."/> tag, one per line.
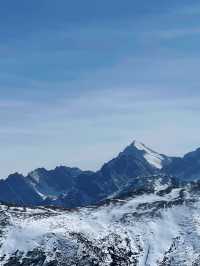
<point x="16" y="188"/>
<point x="133" y="168"/>
<point x="53" y="182"/>
<point x="186" y="168"/>
<point x="135" y="161"/>
<point x="142" y="152"/>
<point x="38" y="185"/>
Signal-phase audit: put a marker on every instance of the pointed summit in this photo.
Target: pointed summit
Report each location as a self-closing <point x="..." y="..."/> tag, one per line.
<point x="139" y="149"/>
<point x="139" y="145"/>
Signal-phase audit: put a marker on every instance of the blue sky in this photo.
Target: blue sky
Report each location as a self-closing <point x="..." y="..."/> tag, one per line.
<point x="79" y="80"/>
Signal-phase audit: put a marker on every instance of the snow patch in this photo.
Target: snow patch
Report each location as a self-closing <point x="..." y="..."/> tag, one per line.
<point x="151" y="156"/>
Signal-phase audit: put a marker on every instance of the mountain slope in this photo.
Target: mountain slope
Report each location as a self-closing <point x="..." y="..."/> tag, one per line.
<point x="135" y="161"/>
<point x="17" y="189"/>
<point x="38" y="185"/>
<point x="53" y="182"/>
<point x="159" y="228"/>
<point x="140" y="150"/>
<point x="186" y="168"/>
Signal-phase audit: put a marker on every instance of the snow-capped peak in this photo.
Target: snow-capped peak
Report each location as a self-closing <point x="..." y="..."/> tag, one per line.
<point x="151" y="156"/>
<point x="139" y="145"/>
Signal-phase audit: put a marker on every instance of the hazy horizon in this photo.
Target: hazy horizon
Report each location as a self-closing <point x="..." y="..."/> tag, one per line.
<point x="98" y="164"/>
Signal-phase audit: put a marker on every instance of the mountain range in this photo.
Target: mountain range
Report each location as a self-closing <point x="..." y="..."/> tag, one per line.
<point x="140" y="209"/>
<point x="153" y="225"/>
<point x="71" y="187"/>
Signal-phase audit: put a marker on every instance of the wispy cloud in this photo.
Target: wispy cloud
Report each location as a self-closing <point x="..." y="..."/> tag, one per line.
<point x="12" y="104"/>
<point x="177" y="33"/>
<point x="191" y="9"/>
<point x="88" y="130"/>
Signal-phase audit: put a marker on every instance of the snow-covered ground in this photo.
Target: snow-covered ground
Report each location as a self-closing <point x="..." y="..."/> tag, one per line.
<point x="143" y="230"/>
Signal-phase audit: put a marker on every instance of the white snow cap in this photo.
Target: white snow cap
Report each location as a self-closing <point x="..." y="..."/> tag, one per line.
<point x="151" y="156"/>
